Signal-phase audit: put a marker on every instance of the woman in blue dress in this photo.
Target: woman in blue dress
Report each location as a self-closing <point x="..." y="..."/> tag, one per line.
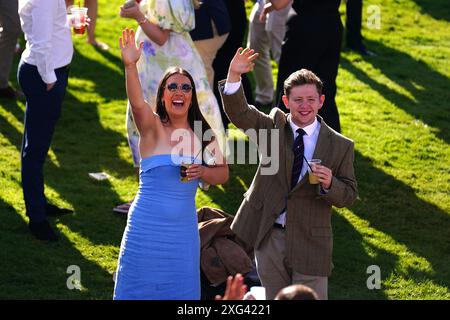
<point x="160" y="250"/>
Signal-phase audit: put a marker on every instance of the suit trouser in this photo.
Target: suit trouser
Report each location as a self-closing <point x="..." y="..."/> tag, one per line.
<point x="207" y="49"/>
<point x="313" y="42"/>
<point x="266" y="39"/>
<point x="353" y="23"/>
<point x="275" y="272"/>
<point x="43" y="109"/>
<point x="9" y="21"/>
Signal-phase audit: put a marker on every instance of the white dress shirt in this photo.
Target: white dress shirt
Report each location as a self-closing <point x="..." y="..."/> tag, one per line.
<point x="47" y="32"/>
<point x="309" y="140"/>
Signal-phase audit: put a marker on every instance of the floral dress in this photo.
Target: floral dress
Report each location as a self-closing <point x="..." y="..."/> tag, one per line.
<point x="179" y="50"/>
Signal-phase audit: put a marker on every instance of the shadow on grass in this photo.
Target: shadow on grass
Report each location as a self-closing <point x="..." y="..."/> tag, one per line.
<point x="82" y="147"/>
<point x="428" y="87"/>
<point x="7" y="129"/>
<point x="438" y="9"/>
<point x="109" y="83"/>
<point x="394" y="208"/>
<point x="349" y="278"/>
<point x="33" y="269"/>
<point x="112" y="58"/>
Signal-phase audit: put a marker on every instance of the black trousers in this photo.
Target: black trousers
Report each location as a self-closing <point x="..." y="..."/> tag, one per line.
<point x="313" y="41"/>
<point x="235" y="39"/>
<point x="43" y="109"/>
<point x="353" y="24"/>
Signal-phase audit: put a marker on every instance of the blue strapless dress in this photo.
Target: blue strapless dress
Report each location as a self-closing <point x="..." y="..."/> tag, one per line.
<point x="160" y="250"/>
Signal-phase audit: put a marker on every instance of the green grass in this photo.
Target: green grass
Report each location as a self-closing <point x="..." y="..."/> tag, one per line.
<point x="395" y="106"/>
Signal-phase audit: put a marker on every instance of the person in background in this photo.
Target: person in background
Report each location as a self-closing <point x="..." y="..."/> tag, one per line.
<point x="297" y="292"/>
<point x="43" y="74"/>
<point x="92" y="6"/>
<point x="312" y="41"/>
<point x="354" y="39"/>
<point x="238" y="19"/>
<point x="212" y="25"/>
<point x="236" y="290"/>
<point x="266" y="37"/>
<point x="9" y="33"/>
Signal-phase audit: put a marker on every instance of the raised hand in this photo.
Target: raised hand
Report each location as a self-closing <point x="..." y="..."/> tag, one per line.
<point x="242" y="62"/>
<point x="235" y="289"/>
<point x="130" y="52"/>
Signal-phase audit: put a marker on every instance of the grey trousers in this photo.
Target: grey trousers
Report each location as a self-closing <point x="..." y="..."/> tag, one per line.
<point x="275" y="273"/>
<point x="266" y="39"/>
<point x="10" y="31"/>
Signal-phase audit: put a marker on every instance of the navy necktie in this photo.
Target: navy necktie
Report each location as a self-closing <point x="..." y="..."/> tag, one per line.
<point x="298" y="149"/>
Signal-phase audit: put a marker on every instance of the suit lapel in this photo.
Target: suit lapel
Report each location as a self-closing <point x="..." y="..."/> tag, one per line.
<point x="323" y="141"/>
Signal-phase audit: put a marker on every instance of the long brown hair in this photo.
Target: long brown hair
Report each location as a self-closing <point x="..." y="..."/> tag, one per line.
<point x="194" y="113"/>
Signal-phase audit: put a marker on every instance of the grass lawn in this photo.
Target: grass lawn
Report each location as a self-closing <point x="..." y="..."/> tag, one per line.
<point x="395" y="106"/>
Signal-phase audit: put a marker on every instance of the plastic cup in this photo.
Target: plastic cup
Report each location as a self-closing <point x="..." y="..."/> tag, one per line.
<point x="258" y="292"/>
<point x="79" y="15"/>
<point x="312" y="163"/>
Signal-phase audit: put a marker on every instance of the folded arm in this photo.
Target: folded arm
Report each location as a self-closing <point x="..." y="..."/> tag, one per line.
<point x="151" y="30"/>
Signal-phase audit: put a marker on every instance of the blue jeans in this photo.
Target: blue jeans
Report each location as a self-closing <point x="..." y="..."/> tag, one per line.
<point x="43" y="109"/>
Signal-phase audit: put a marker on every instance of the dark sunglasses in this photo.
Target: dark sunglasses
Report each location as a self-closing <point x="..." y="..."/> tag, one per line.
<point x="185" y="87"/>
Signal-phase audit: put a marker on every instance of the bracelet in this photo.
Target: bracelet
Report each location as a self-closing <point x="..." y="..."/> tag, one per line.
<point x="142" y="21"/>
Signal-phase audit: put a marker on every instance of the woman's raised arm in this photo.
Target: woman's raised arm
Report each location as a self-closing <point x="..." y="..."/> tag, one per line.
<point x="143" y="114"/>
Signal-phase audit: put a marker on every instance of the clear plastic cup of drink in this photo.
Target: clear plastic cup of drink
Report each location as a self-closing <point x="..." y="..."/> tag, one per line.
<point x="311" y="165"/>
<point x="79" y="17"/>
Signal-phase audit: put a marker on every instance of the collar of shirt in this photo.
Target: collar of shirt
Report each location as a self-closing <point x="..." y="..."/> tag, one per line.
<point x="309" y="129"/>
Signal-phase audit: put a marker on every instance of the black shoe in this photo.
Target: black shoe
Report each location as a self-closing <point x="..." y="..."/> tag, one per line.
<point x="43" y="231"/>
<point x="362" y="50"/>
<point x="54" y="211"/>
<point x="367" y="53"/>
<point x="11" y="93"/>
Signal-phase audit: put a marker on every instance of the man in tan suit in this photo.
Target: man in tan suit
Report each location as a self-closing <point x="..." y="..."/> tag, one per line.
<point x="285" y="218"/>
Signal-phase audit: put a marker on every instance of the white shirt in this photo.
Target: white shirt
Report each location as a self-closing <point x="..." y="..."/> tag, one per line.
<point x="309" y="140"/>
<point x="47" y="32"/>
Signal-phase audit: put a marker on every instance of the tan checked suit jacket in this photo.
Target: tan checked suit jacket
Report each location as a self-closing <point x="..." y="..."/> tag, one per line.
<point x="309" y="238"/>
